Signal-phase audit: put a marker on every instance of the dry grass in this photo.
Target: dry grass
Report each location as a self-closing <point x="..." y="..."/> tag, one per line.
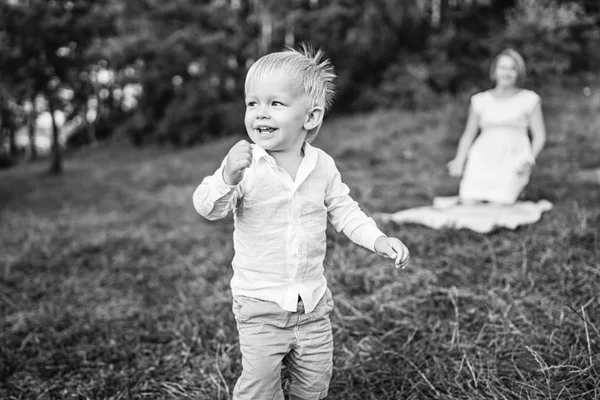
<point x="111" y="287"/>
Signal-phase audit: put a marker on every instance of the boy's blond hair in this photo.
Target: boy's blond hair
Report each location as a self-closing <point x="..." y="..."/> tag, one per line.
<point x="311" y="72"/>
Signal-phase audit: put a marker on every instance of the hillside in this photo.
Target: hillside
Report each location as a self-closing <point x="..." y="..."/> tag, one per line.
<point x="111" y="286"/>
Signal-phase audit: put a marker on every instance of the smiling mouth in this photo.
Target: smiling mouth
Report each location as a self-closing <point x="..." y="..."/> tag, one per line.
<point x="265" y="131"/>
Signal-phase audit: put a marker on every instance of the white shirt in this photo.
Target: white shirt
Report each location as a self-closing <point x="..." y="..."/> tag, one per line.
<point x="280" y="223"/>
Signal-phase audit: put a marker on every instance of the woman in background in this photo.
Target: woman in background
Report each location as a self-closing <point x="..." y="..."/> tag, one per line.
<point x="496" y="164"/>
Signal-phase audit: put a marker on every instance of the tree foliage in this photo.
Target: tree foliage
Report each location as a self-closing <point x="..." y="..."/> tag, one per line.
<point x="46" y="43"/>
<point x="187" y="59"/>
<point x="554" y="37"/>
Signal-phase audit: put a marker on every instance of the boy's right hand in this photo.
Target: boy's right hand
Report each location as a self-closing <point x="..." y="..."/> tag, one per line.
<point x="238" y="159"/>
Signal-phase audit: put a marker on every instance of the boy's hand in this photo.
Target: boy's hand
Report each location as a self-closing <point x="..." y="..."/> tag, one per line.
<point x="394" y="249"/>
<point x="238" y="159"/>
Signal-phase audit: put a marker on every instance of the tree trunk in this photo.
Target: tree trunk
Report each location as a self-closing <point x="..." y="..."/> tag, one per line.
<point x="8" y="127"/>
<point x="436" y="13"/>
<point x="2" y="134"/>
<point x="32" y="126"/>
<point x="91" y="134"/>
<point x="444" y="12"/>
<point x="439" y="13"/>
<point x="12" y="140"/>
<point x="289" y="30"/>
<point x="90" y="126"/>
<point x="266" y="27"/>
<point x="56" y="166"/>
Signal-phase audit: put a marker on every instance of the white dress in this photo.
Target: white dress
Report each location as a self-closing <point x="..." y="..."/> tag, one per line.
<point x="501" y="149"/>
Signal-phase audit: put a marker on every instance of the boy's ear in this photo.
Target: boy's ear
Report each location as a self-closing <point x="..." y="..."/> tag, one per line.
<point x="314" y="117"/>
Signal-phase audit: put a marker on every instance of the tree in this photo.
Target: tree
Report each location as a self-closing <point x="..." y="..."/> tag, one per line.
<point x="48" y="42"/>
<point x="554" y="37"/>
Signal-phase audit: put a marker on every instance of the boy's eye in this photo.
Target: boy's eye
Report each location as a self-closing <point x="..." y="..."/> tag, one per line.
<point x="250" y="104"/>
<point x="277" y="103"/>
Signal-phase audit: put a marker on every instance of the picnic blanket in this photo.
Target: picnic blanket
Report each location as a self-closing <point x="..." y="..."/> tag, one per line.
<point x="448" y="212"/>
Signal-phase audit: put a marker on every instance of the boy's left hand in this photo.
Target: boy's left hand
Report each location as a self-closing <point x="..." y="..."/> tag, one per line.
<point x="394" y="249"/>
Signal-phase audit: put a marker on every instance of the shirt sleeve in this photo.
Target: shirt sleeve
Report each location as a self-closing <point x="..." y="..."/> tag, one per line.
<point x="345" y="214"/>
<point x="213" y="198"/>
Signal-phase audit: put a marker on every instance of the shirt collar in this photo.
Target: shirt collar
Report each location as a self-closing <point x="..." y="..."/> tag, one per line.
<point x="258" y="153"/>
<point x="310" y="154"/>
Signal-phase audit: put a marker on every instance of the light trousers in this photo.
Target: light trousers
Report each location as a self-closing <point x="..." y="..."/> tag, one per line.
<point x="271" y="337"/>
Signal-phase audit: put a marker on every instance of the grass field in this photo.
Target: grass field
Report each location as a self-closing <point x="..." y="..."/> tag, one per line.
<point x="112" y="287"/>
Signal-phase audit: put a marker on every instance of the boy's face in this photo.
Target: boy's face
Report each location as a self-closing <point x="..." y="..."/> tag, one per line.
<point x="275" y="114"/>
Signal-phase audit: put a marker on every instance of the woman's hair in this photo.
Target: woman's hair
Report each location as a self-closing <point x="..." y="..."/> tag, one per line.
<point x="519" y="64"/>
<point x="310" y="71"/>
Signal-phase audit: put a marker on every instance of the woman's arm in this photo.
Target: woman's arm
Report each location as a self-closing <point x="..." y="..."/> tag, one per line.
<point x="455" y="167"/>
<point x="538" y="131"/>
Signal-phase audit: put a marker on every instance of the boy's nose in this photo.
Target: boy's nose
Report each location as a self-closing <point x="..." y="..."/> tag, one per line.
<point x="262" y="113"/>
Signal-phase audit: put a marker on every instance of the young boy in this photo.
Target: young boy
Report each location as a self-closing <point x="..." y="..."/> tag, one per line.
<point x="282" y="191"/>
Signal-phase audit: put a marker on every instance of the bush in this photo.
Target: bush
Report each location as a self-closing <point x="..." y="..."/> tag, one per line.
<point x="405" y="86"/>
<point x="553" y="38"/>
